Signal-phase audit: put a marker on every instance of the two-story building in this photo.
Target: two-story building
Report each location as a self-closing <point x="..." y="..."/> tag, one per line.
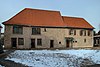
<point x="97" y="40"/>
<point x="35" y="28"/>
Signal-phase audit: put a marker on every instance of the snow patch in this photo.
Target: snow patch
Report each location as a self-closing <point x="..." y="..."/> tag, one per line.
<point x="55" y="58"/>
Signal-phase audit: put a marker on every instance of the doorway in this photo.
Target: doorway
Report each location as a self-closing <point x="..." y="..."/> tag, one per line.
<point x="14" y="42"/>
<point x="67" y="43"/>
<point x="51" y="43"/>
<point x="32" y="43"/>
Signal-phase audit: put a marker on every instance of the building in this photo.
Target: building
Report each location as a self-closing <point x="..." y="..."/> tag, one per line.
<point x="35" y="28"/>
<point x="1" y="48"/>
<point x="97" y="40"/>
<point x="2" y="38"/>
<point x="0" y="33"/>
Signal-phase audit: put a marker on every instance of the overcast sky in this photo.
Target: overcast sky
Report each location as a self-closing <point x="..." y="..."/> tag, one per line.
<point x="88" y="9"/>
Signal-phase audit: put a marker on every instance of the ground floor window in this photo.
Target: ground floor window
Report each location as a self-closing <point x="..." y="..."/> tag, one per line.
<point x="39" y="42"/>
<point x="20" y="41"/>
<point x="84" y="40"/>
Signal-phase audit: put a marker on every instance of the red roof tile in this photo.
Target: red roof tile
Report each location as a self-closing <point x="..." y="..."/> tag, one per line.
<point x="76" y="22"/>
<point x="36" y="17"/>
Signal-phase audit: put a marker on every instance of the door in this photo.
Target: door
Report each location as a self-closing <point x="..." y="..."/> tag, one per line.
<point x="67" y="43"/>
<point x="32" y="43"/>
<point x="51" y="43"/>
<point x="14" y="42"/>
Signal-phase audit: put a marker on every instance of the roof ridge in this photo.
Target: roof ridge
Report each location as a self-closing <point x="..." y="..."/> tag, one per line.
<point x="73" y="17"/>
<point x="41" y="9"/>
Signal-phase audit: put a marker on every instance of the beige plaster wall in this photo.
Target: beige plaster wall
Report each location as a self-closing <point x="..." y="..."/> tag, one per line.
<point x="56" y="34"/>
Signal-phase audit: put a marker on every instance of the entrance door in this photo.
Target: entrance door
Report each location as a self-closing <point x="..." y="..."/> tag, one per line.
<point x="32" y="43"/>
<point x="14" y="42"/>
<point x="67" y="43"/>
<point x="51" y="43"/>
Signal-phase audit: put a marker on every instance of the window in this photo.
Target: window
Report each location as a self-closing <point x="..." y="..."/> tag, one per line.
<point x="36" y="31"/>
<point x="20" y="41"/>
<point x="75" y="41"/>
<point x="84" y="32"/>
<point x="45" y="30"/>
<point x="17" y="30"/>
<point x="84" y="40"/>
<point x="72" y="32"/>
<point x="89" y="33"/>
<point x="39" y="42"/>
<point x="59" y="42"/>
<point x="81" y="32"/>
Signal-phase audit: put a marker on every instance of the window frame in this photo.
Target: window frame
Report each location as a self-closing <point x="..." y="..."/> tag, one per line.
<point x="17" y="30"/>
<point x="81" y="32"/>
<point x="45" y="29"/>
<point x="19" y="42"/>
<point x="84" y="40"/>
<point x="89" y="33"/>
<point x="39" y="42"/>
<point x="36" y="31"/>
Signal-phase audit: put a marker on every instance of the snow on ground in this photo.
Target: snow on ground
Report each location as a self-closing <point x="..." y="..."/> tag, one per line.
<point x="1" y="66"/>
<point x="55" y="58"/>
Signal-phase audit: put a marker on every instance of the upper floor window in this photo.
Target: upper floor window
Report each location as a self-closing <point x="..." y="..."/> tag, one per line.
<point x="82" y="32"/>
<point x="89" y="33"/>
<point x="17" y="30"/>
<point x="72" y="32"/>
<point x="36" y="31"/>
<point x="45" y="30"/>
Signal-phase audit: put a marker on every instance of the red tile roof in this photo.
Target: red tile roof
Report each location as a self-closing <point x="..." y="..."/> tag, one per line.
<point x="36" y="17"/>
<point x="76" y="22"/>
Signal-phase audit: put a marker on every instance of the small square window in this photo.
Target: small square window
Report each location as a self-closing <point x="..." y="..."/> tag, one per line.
<point x="75" y="41"/>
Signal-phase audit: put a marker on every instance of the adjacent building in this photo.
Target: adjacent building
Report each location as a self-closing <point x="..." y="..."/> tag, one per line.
<point x="97" y="40"/>
<point x="35" y="28"/>
<point x="0" y="32"/>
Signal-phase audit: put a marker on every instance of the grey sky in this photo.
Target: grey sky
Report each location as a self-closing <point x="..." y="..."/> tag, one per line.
<point x="88" y="9"/>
